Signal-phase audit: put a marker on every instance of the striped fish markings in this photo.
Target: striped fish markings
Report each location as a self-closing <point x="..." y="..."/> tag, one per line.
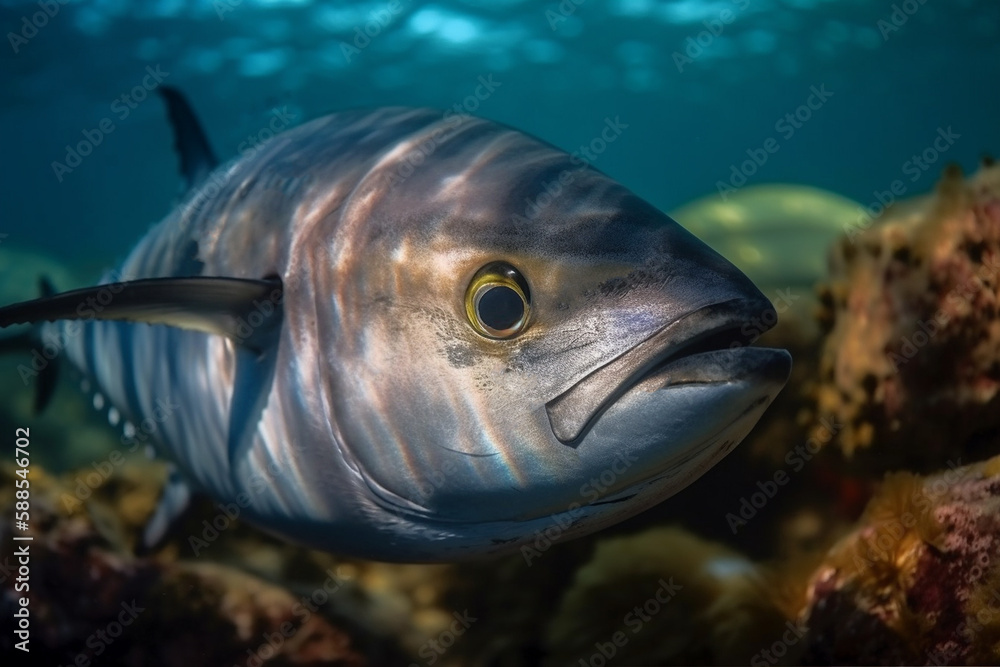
<point x="418" y="370"/>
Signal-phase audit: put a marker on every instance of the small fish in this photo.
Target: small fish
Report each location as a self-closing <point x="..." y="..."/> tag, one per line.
<point x="410" y="336"/>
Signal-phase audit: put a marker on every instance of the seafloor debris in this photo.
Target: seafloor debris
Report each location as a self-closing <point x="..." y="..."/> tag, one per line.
<point x="918" y="582"/>
<point x="663" y="596"/>
<point x="92" y="602"/>
<point x="658" y="596"/>
<point x="912" y="358"/>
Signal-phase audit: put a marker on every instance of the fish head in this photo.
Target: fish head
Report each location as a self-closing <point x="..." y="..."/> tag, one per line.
<point x="516" y="337"/>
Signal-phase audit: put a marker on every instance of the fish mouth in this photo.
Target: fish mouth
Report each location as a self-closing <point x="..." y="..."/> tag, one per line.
<point x="709" y="345"/>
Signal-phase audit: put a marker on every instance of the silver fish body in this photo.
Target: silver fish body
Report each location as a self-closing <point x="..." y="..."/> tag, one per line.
<point x="390" y="427"/>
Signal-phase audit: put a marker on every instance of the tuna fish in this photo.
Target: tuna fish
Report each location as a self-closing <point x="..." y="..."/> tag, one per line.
<point x="414" y="336"/>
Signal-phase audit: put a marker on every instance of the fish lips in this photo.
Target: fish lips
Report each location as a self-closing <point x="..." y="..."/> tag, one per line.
<point x="708" y="346"/>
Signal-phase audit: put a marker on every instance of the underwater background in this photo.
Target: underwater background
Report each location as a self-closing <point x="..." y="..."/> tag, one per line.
<point x="839" y="563"/>
<point x="694" y="103"/>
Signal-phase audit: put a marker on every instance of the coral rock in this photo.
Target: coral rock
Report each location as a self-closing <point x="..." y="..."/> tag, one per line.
<point x="91" y="600"/>
<point x="664" y="596"/>
<point x="918" y="582"/>
<point x="912" y="358"/>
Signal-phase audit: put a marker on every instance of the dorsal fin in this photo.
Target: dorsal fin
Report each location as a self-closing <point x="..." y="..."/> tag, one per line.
<point x="45" y="287"/>
<point x="197" y="158"/>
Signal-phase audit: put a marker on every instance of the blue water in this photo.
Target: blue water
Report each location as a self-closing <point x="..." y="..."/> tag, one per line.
<point x="698" y="84"/>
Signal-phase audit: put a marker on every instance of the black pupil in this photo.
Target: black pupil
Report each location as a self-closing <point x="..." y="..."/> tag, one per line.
<point x="500" y="308"/>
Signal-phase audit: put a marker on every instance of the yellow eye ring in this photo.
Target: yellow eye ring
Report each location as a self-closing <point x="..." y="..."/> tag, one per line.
<point x="498" y="301"/>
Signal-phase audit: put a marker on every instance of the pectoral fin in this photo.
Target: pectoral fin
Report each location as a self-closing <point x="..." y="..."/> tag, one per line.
<point x="251" y="387"/>
<point x="29" y="341"/>
<point x="247" y="311"/>
<point x="212" y="305"/>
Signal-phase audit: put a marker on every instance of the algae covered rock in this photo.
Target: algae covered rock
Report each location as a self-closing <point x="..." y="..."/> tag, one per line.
<point x="664" y="596"/>
<point x="912" y="358"/>
<point x="90" y="601"/>
<point x="918" y="581"/>
<point x="217" y="591"/>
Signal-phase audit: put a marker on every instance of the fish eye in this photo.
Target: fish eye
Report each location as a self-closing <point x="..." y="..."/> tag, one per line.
<point x="497" y="301"/>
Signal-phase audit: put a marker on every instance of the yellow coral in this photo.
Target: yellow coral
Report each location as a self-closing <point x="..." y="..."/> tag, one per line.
<point x="991" y="467"/>
<point x="878" y="561"/>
